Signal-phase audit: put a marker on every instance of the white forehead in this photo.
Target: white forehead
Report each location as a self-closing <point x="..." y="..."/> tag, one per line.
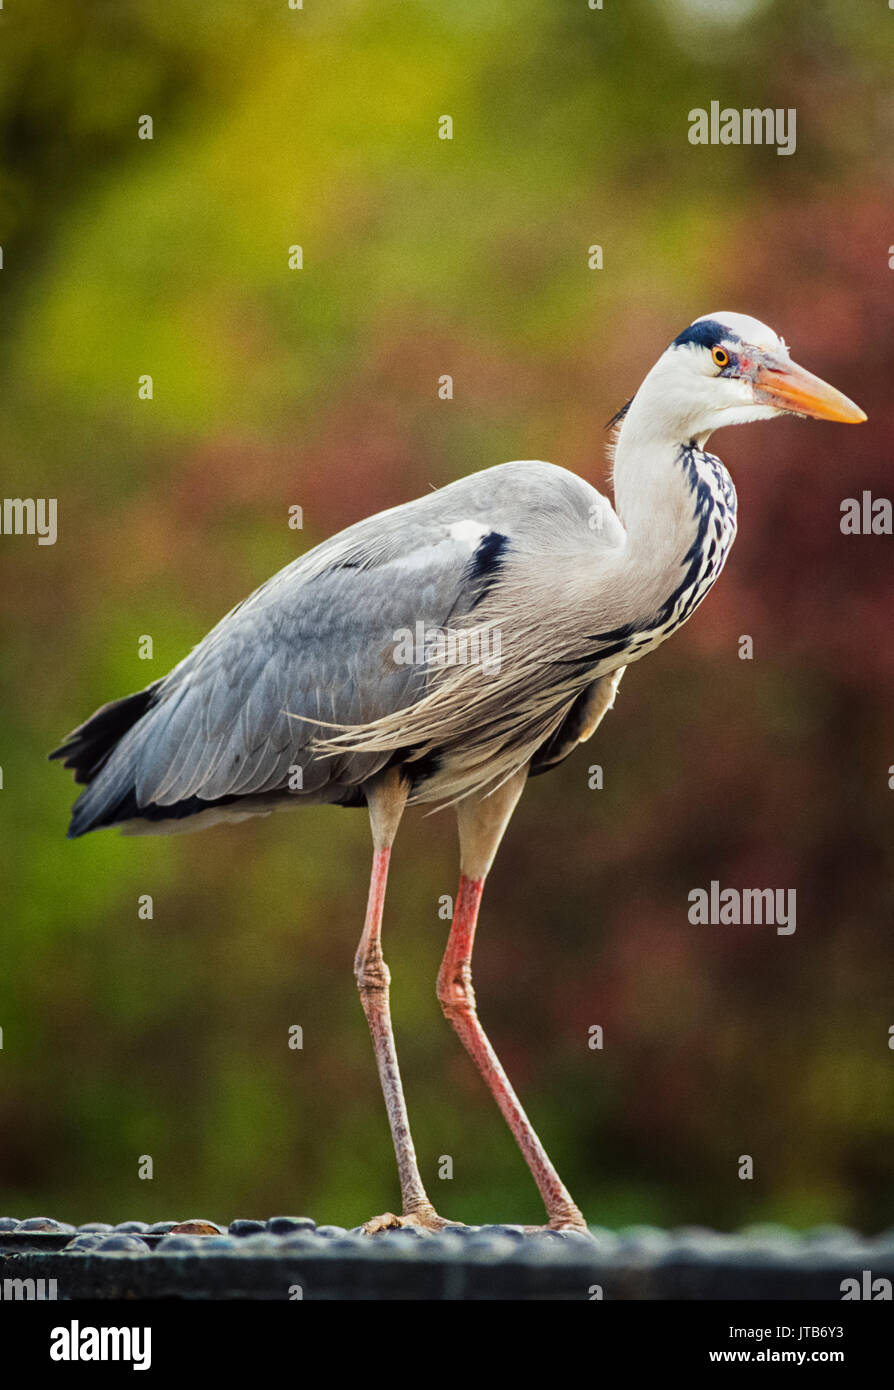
<point x="750" y="330"/>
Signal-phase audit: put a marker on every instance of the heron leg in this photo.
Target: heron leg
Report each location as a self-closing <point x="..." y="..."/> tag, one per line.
<point x="387" y="798"/>
<point x="481" y="827"/>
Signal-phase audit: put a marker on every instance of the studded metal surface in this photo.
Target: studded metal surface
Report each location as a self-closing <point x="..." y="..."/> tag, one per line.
<point x="290" y="1257"/>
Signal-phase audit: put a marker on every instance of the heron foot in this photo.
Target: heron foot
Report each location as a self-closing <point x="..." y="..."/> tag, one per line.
<point x="566" y="1221"/>
<point x="426" y="1219"/>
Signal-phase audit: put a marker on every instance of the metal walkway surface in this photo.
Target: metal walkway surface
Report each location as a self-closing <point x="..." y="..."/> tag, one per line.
<point x="291" y="1257"/>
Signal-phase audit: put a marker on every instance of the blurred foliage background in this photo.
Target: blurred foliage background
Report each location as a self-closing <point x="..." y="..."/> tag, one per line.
<point x="274" y="386"/>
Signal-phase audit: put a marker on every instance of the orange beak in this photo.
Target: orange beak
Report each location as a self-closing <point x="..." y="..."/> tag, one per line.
<point x="789" y="387"/>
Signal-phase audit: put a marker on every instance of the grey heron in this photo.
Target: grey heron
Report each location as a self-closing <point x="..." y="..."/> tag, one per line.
<point x="442" y="652"/>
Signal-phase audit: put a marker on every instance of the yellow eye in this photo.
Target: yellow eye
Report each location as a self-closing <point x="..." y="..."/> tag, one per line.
<point x="720" y="356"/>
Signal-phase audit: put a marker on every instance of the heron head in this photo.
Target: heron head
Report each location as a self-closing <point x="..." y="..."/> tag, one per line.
<point x="729" y="369"/>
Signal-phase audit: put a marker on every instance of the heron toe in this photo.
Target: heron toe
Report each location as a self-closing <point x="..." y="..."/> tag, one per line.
<point x="564" y="1223"/>
<point x="428" y="1220"/>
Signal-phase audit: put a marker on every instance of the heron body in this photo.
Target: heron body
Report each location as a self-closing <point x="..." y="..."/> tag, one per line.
<point x="304" y="692"/>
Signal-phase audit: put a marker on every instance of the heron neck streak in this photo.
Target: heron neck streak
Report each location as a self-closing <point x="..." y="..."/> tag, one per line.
<point x="677" y="504"/>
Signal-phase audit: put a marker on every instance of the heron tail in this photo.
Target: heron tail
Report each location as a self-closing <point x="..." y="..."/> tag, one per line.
<point x="88" y="748"/>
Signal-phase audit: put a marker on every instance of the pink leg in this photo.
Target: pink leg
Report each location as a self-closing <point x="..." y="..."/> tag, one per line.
<point x="387" y="797"/>
<point x="458" y="1002"/>
<point x="373" y="981"/>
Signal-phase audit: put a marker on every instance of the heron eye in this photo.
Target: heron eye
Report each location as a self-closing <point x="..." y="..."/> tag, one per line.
<point x="720" y="356"/>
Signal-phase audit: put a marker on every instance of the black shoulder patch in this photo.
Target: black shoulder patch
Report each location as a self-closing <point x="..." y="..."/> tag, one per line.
<point x="489" y="555"/>
<point x="486" y="562"/>
<point x="707" y="333"/>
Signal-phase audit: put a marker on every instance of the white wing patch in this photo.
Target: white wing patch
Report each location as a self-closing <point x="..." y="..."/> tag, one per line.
<point x="470" y="531"/>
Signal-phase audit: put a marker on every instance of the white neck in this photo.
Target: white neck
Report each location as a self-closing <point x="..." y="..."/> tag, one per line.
<point x="669" y="495"/>
<point x="653" y="495"/>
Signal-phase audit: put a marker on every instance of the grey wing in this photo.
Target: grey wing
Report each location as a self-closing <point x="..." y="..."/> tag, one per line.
<point x="319" y="645"/>
<point x="244" y="713"/>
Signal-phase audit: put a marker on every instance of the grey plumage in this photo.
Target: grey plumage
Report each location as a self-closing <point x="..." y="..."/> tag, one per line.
<point x="314" y="648"/>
